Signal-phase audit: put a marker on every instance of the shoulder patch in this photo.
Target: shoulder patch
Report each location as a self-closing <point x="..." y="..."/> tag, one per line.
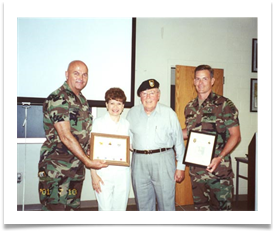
<point x="231" y="104"/>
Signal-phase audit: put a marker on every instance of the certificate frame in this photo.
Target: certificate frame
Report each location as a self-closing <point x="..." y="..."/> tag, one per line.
<point x="200" y="149"/>
<point x="115" y="149"/>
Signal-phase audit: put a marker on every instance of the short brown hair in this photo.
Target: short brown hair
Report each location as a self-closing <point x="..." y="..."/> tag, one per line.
<point x="205" y="67"/>
<point x="115" y="94"/>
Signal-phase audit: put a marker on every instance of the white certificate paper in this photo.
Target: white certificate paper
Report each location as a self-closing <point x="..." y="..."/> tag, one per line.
<point x="199" y="149"/>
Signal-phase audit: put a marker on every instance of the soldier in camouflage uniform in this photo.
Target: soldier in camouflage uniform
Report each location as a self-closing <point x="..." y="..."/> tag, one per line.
<point x="67" y="124"/>
<point x="214" y="114"/>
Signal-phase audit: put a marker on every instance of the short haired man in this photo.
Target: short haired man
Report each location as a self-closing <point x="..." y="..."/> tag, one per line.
<point x="67" y="123"/>
<point x="214" y="114"/>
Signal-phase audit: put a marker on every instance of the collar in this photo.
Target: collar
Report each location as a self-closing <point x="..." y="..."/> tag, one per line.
<point x="67" y="87"/>
<point x="107" y="116"/>
<point x="80" y="99"/>
<point x="156" y="110"/>
<point x="210" y="98"/>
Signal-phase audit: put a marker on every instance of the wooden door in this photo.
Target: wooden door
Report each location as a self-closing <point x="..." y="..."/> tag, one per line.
<point x="185" y="92"/>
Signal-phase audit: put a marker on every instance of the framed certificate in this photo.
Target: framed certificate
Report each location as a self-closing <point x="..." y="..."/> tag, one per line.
<point x="115" y="149"/>
<point x="200" y="149"/>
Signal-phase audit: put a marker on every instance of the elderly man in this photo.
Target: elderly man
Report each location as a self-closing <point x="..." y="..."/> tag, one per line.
<point x="67" y="123"/>
<point x="156" y="133"/>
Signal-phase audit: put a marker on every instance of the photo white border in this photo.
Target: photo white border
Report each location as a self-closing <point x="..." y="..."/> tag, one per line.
<point x="260" y="9"/>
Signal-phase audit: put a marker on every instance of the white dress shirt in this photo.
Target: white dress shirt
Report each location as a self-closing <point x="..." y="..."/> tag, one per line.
<point x="160" y="129"/>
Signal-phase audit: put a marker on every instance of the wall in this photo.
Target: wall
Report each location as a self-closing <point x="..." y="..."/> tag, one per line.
<point x="220" y="42"/>
<point x="162" y="43"/>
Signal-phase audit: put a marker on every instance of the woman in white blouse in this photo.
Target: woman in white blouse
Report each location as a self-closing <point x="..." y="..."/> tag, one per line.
<point x="112" y="184"/>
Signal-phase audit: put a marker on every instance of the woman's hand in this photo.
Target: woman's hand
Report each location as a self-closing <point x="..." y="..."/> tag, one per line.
<point x="96" y="180"/>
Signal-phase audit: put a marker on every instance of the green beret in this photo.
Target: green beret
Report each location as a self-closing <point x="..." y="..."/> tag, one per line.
<point x="147" y="84"/>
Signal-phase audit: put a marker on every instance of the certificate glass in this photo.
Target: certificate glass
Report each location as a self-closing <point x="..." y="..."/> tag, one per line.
<point x="115" y="149"/>
<point x="200" y="149"/>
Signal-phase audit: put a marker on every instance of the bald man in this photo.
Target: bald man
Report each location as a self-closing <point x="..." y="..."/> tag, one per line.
<point x="63" y="156"/>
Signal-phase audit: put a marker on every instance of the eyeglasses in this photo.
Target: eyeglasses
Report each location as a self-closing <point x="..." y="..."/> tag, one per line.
<point x="144" y="94"/>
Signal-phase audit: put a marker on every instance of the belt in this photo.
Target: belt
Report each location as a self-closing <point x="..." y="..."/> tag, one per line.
<point x="151" y="151"/>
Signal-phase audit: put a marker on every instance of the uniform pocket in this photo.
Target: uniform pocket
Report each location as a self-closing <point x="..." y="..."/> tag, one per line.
<point x="74" y="114"/>
<point x="190" y="119"/>
<point x="208" y="122"/>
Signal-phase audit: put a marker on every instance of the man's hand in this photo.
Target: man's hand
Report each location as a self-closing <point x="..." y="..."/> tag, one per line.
<point x="214" y="164"/>
<point x="96" y="164"/>
<point x="234" y="139"/>
<point x="179" y="175"/>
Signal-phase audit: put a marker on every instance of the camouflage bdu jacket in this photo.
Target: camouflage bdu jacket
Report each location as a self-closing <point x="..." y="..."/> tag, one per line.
<point x="214" y="116"/>
<point x="55" y="159"/>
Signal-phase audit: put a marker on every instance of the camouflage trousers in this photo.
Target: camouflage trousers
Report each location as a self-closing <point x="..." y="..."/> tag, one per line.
<point x="60" y="194"/>
<point x="212" y="194"/>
